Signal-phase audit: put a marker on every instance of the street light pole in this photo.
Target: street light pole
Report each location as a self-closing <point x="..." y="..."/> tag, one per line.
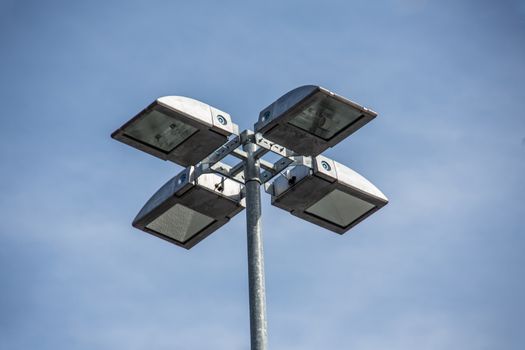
<point x="298" y="127"/>
<point x="258" y="324"/>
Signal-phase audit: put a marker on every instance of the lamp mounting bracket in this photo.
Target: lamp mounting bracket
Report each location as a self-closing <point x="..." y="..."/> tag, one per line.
<point x="212" y="163"/>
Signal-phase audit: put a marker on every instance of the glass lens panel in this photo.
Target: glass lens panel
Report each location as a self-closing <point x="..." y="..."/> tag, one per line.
<point x="180" y="223"/>
<point x="325" y="117"/>
<point x="340" y="208"/>
<point x="159" y="130"/>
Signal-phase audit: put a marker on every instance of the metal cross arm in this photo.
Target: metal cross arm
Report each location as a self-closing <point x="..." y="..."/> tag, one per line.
<point x="233" y="147"/>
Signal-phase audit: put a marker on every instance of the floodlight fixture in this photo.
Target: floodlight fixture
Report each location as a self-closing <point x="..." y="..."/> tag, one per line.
<point x="190" y="206"/>
<point x="310" y="119"/>
<point x="326" y="193"/>
<point x="178" y="129"/>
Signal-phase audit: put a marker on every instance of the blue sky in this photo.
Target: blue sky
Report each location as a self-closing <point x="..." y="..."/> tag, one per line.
<point x="440" y="267"/>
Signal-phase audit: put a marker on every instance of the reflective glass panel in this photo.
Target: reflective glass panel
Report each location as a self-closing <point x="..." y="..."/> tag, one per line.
<point x="325" y="117"/>
<point x="180" y="223"/>
<point x="159" y="130"/>
<point x="340" y="208"/>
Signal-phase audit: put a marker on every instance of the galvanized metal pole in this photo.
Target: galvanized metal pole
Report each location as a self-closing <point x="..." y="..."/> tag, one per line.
<point x="258" y="324"/>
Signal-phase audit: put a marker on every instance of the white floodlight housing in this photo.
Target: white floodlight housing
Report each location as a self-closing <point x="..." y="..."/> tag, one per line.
<point x="327" y="194"/>
<point x="190" y="206"/>
<point x="179" y="129"/>
<point x="310" y="119"/>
